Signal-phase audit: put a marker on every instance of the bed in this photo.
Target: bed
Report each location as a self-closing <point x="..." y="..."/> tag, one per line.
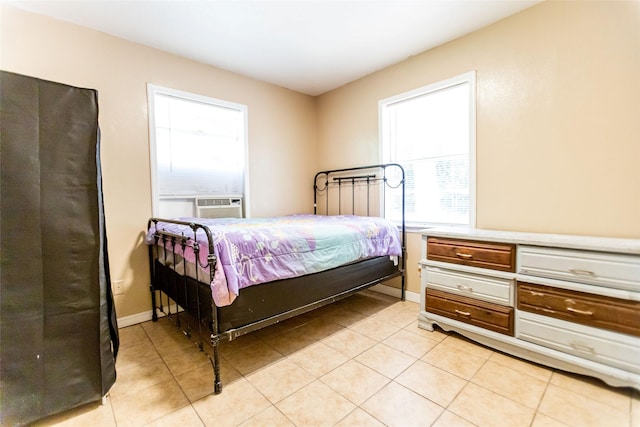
<point x="219" y="279"/>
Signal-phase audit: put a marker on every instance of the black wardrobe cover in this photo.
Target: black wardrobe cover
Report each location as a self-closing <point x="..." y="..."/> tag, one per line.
<point x="58" y="332"/>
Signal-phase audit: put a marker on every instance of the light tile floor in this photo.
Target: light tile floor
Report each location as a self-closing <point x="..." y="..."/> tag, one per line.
<point x="362" y="361"/>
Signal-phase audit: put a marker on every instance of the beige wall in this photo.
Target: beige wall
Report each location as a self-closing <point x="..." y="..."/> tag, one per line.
<point x="282" y="127"/>
<point x="558" y="118"/>
<point x="558" y="128"/>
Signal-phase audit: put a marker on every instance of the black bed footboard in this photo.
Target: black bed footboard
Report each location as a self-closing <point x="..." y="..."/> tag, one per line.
<point x="194" y="307"/>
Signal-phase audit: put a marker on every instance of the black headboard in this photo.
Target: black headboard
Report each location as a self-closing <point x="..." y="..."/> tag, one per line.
<point x="362" y="190"/>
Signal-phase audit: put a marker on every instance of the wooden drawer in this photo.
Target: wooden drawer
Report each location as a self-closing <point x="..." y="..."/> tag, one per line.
<point x="487" y="288"/>
<point x="495" y="256"/>
<point x="614" y="314"/>
<point x="485" y="315"/>
<point x="604" y="269"/>
<point x="608" y="348"/>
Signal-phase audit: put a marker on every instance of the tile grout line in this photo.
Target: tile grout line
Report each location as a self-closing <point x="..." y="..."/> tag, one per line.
<point x="546" y="387"/>
<point x="465" y="386"/>
<point x="633" y="394"/>
<point x="190" y="403"/>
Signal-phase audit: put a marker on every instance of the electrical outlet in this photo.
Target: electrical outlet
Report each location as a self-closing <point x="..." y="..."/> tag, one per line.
<point x="118" y="287"/>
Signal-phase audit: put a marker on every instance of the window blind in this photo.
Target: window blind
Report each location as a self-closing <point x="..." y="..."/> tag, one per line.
<point x="199" y="147"/>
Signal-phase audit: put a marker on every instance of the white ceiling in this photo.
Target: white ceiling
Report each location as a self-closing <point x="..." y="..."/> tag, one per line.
<point x="308" y="46"/>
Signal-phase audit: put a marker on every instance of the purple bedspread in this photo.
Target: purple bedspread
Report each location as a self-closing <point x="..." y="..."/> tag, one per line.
<point x="260" y="250"/>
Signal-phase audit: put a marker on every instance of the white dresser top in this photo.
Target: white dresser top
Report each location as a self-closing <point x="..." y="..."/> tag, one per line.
<point x="604" y="244"/>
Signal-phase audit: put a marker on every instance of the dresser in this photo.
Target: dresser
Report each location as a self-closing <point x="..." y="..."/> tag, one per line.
<point x="568" y="302"/>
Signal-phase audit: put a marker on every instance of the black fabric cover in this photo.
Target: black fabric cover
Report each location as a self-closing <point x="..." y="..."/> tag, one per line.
<point x="58" y="331"/>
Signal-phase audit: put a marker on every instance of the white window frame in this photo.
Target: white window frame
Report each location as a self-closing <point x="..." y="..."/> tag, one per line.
<point x="153" y="90"/>
<point x="385" y="156"/>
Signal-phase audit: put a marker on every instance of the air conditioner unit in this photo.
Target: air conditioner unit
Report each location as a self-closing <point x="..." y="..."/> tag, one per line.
<point x="219" y="207"/>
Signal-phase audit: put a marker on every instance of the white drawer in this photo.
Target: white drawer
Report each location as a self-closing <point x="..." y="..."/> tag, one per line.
<point x="603" y="269"/>
<point x="491" y="289"/>
<point x="608" y="348"/>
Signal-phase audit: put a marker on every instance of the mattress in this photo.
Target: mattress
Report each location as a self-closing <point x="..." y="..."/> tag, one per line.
<point x="261" y="250"/>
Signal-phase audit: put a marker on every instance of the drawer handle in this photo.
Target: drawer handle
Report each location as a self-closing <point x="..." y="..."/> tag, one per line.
<point x="579" y="272"/>
<point x="465" y="288"/>
<point x="464" y="256"/>
<point x="463" y="313"/>
<point x="536" y="294"/>
<point x="582" y="312"/>
<point x="582" y="348"/>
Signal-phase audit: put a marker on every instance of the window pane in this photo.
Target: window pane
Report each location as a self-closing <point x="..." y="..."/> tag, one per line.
<point x="442" y="193"/>
<point x="194" y="116"/>
<point x="199" y="147"/>
<point x="430" y="125"/>
<point x="429" y="134"/>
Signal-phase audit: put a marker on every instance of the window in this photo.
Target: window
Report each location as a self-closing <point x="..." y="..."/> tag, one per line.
<point x="430" y="131"/>
<point x="198" y="149"/>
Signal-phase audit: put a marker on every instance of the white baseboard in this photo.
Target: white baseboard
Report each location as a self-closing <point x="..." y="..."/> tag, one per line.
<point x="134" y="319"/>
<point x="145" y="316"/>
<point x="396" y="292"/>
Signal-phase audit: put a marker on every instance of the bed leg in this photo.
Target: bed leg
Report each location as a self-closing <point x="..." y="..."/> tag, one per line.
<point x="154" y="313"/>
<point x="215" y="363"/>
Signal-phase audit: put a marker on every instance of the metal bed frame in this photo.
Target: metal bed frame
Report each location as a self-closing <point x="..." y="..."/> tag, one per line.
<point x="266" y="304"/>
